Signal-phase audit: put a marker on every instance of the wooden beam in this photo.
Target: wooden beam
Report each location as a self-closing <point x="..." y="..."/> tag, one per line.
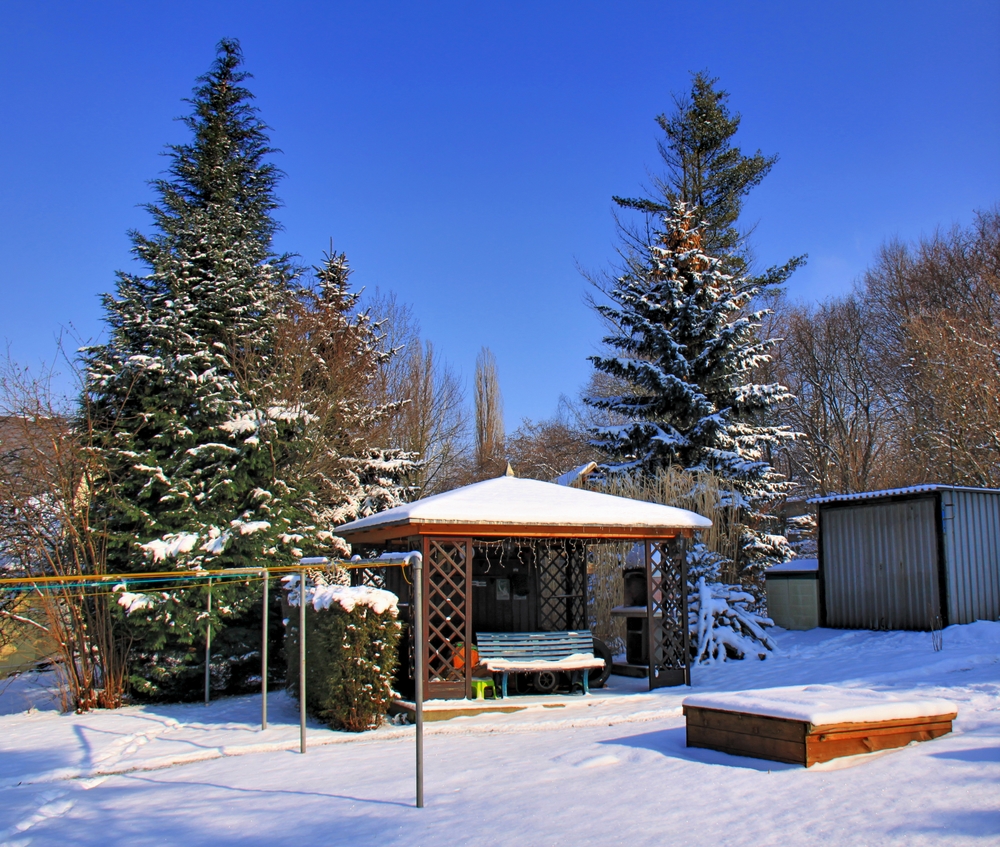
<point x="377" y="535"/>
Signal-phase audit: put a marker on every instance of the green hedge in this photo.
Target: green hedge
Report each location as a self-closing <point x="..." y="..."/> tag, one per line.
<point x="351" y="661"/>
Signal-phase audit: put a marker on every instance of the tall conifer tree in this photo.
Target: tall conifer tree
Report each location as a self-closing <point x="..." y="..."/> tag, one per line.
<point x="684" y="346"/>
<point x="705" y="170"/>
<point x="684" y="350"/>
<point x="198" y="463"/>
<point x="331" y="355"/>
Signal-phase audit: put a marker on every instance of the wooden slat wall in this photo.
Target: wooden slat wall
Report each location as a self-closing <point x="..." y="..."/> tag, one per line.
<point x="797" y="742"/>
<point x="746" y="735"/>
<point x="833" y="742"/>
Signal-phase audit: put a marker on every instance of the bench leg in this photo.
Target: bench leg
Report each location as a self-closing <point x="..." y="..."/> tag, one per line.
<point x="504" y="685"/>
<point x="586" y="681"/>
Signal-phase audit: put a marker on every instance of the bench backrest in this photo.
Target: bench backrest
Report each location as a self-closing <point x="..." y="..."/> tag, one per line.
<point x="534" y="645"/>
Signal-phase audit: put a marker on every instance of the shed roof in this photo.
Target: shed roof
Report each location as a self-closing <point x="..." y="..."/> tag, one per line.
<point x="508" y="506"/>
<point x="794" y="566"/>
<point x="929" y="488"/>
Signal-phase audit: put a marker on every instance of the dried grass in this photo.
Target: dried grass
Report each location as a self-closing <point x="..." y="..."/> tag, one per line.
<point x="697" y="492"/>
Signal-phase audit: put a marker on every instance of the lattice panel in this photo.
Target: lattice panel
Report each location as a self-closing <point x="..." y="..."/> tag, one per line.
<point x="551" y="562"/>
<point x="562" y="586"/>
<point x="668" y="625"/>
<point x="576" y="578"/>
<point x="371" y="577"/>
<point x="446" y="604"/>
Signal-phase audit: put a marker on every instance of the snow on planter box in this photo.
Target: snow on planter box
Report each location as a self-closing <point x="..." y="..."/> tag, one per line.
<point x="814" y="723"/>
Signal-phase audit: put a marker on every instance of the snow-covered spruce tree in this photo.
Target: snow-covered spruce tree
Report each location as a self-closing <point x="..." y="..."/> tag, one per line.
<point x="705" y="170"/>
<point x="198" y="465"/>
<point x="684" y="348"/>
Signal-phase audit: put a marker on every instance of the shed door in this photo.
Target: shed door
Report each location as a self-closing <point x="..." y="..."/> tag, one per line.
<point x="880" y="565"/>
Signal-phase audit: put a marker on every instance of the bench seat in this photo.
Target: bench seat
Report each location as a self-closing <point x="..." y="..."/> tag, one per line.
<point x="527" y="652"/>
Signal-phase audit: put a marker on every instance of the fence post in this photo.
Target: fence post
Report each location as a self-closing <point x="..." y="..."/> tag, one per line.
<point x="208" y="645"/>
<point x="418" y="668"/>
<point x="302" y="661"/>
<point x="263" y="657"/>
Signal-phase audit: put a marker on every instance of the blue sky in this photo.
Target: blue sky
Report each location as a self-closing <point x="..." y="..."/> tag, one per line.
<point x="464" y="155"/>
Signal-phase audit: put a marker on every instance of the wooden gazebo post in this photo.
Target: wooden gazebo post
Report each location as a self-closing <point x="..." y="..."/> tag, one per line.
<point x="667" y="613"/>
<point x="447" y="615"/>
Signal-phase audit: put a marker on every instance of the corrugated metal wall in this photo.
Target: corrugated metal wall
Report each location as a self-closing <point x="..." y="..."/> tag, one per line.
<point x="972" y="552"/>
<point x="879" y="562"/>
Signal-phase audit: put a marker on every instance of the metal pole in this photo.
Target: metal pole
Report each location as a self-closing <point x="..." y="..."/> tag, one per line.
<point x="302" y="661"/>
<point x="418" y="667"/>
<point x="263" y="658"/>
<point x="208" y="645"/>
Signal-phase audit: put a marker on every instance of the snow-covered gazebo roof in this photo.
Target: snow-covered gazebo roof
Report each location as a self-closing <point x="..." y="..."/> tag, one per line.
<point x="508" y="506"/>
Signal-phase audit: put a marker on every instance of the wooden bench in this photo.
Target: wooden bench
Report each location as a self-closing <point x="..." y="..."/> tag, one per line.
<point x="533" y="652"/>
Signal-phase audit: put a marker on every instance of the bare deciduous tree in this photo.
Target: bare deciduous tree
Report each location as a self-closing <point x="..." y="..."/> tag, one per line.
<point x="935" y="307"/>
<point x="826" y="360"/>
<point x="899" y="383"/>
<point x="490" y="435"/>
<point x="49" y="528"/>
<point x="429" y="420"/>
<point x="549" y="448"/>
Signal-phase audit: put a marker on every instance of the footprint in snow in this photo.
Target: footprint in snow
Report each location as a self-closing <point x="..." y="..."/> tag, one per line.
<point x="53" y="806"/>
<point x="598" y="761"/>
<point x="129" y="744"/>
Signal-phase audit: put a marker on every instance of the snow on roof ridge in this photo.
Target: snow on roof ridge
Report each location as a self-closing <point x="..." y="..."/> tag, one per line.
<point x="572" y="476"/>
<point x="925" y="488"/>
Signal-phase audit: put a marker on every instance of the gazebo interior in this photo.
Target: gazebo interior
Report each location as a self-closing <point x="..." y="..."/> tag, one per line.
<point x="511" y="555"/>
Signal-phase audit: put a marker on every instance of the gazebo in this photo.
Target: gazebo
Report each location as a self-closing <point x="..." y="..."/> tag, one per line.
<point x="510" y="555"/>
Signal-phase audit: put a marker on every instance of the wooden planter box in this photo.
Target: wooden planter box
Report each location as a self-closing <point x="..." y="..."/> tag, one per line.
<point x="797" y="740"/>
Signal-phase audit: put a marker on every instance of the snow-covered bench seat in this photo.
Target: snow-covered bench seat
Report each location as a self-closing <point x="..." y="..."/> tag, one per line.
<point x="533" y="652"/>
<point x="809" y="724"/>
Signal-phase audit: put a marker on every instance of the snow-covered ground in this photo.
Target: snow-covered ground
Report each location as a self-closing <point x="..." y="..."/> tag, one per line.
<point x="610" y="769"/>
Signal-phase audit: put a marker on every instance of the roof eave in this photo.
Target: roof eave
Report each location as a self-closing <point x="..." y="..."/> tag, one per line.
<point x="407" y="529"/>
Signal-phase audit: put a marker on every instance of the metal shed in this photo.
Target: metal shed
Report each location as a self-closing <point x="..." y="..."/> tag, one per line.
<point x="915" y="558"/>
<point x="793" y="594"/>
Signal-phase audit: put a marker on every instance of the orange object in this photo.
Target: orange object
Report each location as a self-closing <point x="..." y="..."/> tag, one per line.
<point x="458" y="657"/>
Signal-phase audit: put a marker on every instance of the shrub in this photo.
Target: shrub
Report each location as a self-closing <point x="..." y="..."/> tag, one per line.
<point x="724" y="623"/>
<point x="352" y="639"/>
